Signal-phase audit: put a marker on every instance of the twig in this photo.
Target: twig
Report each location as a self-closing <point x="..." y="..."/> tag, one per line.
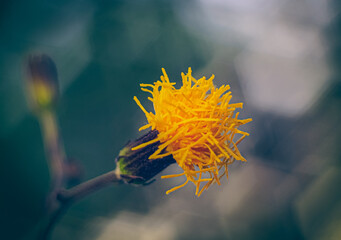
<point x="56" y="157"/>
<point x="65" y="197"/>
<point x="55" y="154"/>
<point x="52" y="220"/>
<point x="88" y="187"/>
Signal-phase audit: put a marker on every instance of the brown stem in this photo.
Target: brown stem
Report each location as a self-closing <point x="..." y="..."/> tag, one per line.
<point x="55" y="154"/>
<point x="88" y="187"/>
<point x="65" y="197"/>
<point x="52" y="220"/>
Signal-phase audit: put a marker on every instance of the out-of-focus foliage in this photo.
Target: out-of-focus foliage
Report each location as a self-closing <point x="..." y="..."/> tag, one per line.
<point x="280" y="57"/>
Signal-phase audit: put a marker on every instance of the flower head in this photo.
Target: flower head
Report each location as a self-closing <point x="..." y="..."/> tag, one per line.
<point x="197" y="125"/>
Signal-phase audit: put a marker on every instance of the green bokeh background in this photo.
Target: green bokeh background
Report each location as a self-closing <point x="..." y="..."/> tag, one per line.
<point x="103" y="50"/>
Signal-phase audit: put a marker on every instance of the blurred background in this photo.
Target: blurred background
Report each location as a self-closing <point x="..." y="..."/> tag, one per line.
<point x="281" y="57"/>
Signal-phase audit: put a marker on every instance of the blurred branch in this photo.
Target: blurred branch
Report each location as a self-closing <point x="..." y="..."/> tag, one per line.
<point x="43" y="89"/>
<point x="66" y="197"/>
<point x="43" y="92"/>
<point x="55" y="155"/>
<point x="52" y="220"/>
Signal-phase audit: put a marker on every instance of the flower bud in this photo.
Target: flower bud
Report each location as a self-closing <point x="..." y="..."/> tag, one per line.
<point x="42" y="81"/>
<point x="136" y="163"/>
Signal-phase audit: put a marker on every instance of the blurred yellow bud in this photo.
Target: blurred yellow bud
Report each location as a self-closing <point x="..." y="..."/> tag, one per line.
<point x="42" y="81"/>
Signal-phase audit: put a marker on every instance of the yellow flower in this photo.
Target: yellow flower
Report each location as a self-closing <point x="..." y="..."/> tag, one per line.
<point x="197" y="125"/>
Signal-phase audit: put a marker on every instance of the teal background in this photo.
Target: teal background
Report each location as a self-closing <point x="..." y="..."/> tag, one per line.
<point x="103" y="50"/>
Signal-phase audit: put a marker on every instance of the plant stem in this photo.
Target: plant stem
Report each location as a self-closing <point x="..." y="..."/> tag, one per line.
<point x="52" y="220"/>
<point x="88" y="187"/>
<point x="65" y="197"/>
<point x="55" y="154"/>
